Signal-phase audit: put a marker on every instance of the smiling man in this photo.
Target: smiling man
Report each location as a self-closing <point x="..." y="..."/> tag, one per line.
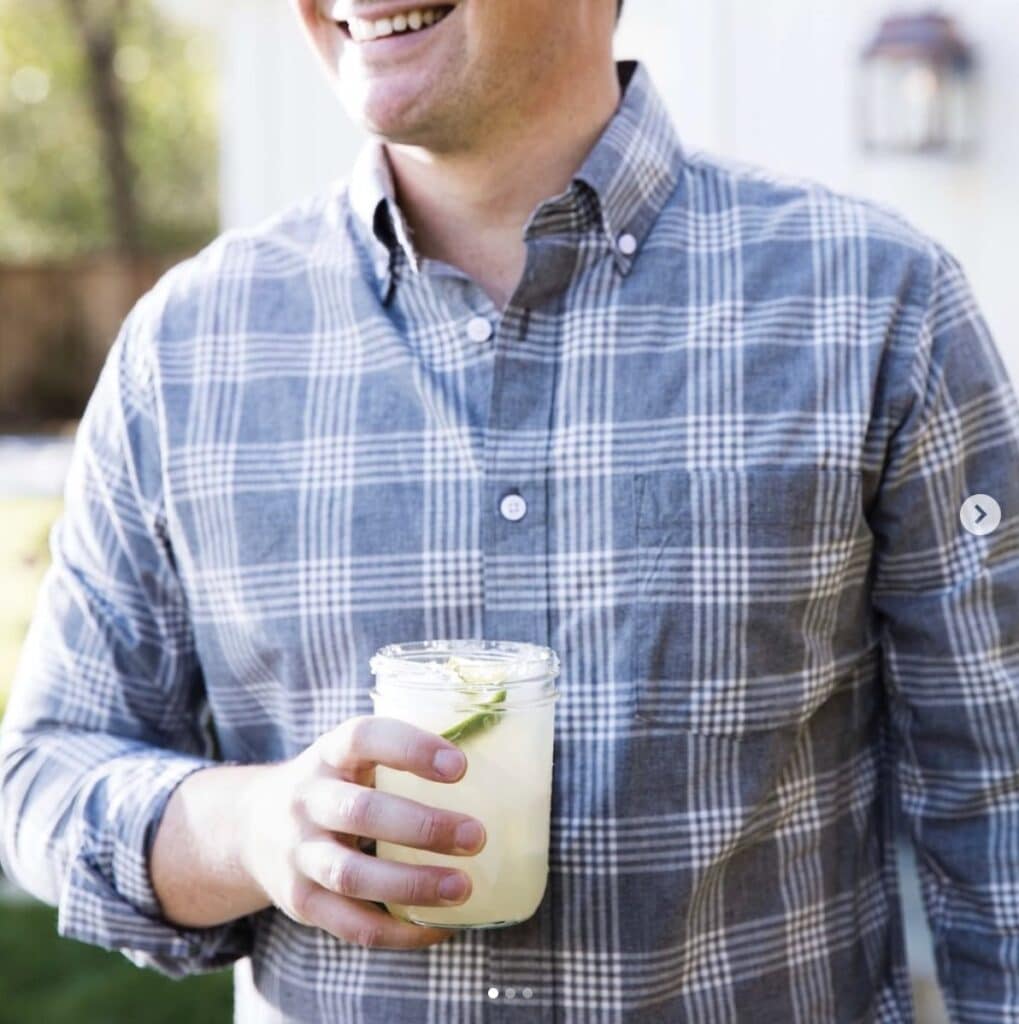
<point x="761" y="454"/>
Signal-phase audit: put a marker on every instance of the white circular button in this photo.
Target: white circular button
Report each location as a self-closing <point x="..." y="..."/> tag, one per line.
<point x="479" y="329"/>
<point x="493" y="993"/>
<point x="513" y="507"/>
<point x="526" y="993"/>
<point x="510" y="993"/>
<point x="627" y="244"/>
<point x="980" y="514"/>
<point x="382" y="268"/>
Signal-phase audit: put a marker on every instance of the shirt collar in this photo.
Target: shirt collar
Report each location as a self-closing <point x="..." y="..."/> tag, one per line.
<point x="634" y="166"/>
<point x="632" y="170"/>
<point x="373" y="201"/>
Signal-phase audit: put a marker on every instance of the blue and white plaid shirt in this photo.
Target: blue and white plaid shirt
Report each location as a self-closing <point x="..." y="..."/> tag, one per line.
<point x="742" y="413"/>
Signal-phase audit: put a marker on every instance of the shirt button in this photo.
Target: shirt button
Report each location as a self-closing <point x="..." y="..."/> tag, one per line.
<point x="510" y="993"/>
<point x="526" y="993"/>
<point x="513" y="507"/>
<point x="382" y="268"/>
<point x="479" y="329"/>
<point x="627" y="244"/>
<point x="493" y="993"/>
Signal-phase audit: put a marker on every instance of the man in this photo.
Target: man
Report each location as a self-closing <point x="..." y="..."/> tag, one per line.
<point x="740" y="417"/>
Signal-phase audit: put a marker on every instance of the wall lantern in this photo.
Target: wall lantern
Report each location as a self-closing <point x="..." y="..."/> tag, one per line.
<point x="918" y="87"/>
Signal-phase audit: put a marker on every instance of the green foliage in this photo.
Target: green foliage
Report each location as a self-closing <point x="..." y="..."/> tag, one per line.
<point x="42" y="976"/>
<point x="24" y="556"/>
<point x="52" y="184"/>
<point x="48" y="979"/>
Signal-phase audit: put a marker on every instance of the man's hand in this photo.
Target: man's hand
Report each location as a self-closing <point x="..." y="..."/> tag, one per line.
<point x="309" y="815"/>
<point x="234" y="840"/>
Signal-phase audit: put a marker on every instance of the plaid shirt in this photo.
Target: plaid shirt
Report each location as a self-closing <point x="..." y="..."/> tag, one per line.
<point x="742" y="413"/>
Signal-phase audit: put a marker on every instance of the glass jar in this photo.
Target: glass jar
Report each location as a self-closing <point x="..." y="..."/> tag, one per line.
<point x="495" y="700"/>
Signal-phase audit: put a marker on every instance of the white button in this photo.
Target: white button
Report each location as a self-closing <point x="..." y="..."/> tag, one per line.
<point x="479" y="329"/>
<point x="627" y="244"/>
<point x="510" y="993"/>
<point x="382" y="268"/>
<point x="526" y="993"/>
<point x="980" y="514"/>
<point x="493" y="993"/>
<point x="513" y="508"/>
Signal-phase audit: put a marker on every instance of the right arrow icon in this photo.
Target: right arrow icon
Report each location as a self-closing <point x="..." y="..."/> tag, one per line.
<point x="980" y="515"/>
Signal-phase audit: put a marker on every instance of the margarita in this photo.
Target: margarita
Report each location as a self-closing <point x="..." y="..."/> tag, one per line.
<point x="495" y="700"/>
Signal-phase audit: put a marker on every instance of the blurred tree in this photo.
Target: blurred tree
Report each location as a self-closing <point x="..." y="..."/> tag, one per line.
<point x="107" y="129"/>
<point x="99" y="25"/>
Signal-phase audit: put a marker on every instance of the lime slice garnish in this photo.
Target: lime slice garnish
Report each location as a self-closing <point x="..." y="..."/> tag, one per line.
<point x="476" y="671"/>
<point x="475" y="723"/>
<point x="475" y="674"/>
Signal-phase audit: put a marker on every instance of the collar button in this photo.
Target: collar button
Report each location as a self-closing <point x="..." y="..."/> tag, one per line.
<point x="627" y="244"/>
<point x="479" y="329"/>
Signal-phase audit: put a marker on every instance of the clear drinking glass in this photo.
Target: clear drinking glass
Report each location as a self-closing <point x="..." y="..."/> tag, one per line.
<point x="495" y="700"/>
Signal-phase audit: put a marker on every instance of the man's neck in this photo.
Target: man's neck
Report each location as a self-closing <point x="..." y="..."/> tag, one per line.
<point x="468" y="208"/>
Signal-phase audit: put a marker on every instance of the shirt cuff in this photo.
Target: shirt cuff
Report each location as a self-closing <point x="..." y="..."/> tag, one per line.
<point x="107" y="897"/>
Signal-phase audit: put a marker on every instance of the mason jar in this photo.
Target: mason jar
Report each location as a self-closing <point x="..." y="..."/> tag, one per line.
<point x="495" y="700"/>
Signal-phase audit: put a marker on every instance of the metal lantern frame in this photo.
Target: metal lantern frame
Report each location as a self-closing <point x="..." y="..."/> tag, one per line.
<point x="918" y="88"/>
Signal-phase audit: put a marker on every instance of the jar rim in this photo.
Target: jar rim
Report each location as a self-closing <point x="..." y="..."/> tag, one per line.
<point x="422" y="661"/>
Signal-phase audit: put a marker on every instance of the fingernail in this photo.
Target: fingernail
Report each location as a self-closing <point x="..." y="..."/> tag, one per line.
<point x="469" y="835"/>
<point x="453" y="887"/>
<point x="448" y="763"/>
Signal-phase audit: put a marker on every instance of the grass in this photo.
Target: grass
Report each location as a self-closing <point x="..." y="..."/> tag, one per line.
<point x="56" y="981"/>
<point x="42" y="976"/>
<point x="24" y="534"/>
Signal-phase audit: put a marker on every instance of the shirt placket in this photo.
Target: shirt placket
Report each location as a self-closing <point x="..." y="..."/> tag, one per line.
<point x="515" y="538"/>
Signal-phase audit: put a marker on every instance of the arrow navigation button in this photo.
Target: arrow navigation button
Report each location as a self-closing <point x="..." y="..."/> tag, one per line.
<point x="980" y="515"/>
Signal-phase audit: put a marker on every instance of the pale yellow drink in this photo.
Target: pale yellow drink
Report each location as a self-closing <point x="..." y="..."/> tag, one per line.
<point x="496" y="700"/>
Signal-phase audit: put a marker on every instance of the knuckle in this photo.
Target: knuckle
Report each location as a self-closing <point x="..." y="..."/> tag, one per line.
<point x="369" y="935"/>
<point x="360" y="811"/>
<point x="297" y="804"/>
<point x="430" y="831"/>
<point x="422" y="888"/>
<point x="415" y="751"/>
<point x="322" y="750"/>
<point x="344" y="876"/>
<point x="356" y="731"/>
<point x="298" y="896"/>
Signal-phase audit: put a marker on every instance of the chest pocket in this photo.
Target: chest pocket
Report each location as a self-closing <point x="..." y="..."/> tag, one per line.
<point x="743" y="578"/>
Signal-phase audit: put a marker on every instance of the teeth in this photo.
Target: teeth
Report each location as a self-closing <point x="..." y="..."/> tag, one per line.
<point x="362" y="30"/>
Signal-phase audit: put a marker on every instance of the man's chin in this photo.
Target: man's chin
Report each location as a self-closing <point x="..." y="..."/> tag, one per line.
<point x="390" y="113"/>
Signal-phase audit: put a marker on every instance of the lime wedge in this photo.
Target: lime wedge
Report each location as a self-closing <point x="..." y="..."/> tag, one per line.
<point x="475" y="723"/>
<point x="475" y="675"/>
<point x="475" y="671"/>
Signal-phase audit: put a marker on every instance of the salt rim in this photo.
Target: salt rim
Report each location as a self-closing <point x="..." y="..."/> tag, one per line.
<point x="541" y="664"/>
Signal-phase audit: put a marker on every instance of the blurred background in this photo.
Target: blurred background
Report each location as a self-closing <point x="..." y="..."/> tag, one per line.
<point x="133" y="131"/>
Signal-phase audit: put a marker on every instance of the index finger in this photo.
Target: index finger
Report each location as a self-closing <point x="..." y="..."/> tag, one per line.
<point x="369" y="740"/>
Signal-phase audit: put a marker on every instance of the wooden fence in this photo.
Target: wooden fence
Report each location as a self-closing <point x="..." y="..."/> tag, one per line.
<point x="57" y="322"/>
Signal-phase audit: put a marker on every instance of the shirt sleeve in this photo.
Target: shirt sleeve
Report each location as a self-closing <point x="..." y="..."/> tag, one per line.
<point x="105" y="717"/>
<point x="947" y="603"/>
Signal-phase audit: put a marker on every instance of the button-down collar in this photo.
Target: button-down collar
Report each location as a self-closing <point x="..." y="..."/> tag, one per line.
<point x="373" y="200"/>
<point x="630" y="172"/>
<point x="634" y="166"/>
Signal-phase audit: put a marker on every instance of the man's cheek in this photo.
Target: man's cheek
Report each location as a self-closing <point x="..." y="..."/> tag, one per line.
<point x="318" y="23"/>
